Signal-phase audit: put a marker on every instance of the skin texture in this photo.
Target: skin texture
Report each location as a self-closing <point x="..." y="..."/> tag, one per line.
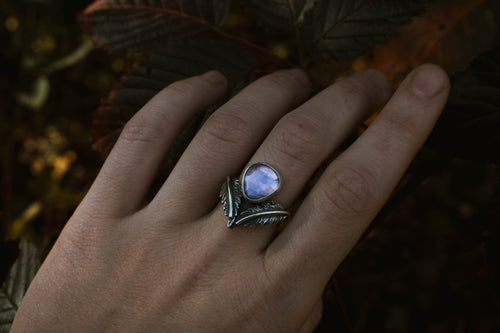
<point x="173" y="265"/>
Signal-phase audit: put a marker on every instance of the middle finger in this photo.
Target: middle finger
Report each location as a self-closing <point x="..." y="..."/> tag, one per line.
<point x="305" y="137"/>
<point x="226" y="142"/>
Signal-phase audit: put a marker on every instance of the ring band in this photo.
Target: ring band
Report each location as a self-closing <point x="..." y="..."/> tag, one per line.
<point x="248" y="203"/>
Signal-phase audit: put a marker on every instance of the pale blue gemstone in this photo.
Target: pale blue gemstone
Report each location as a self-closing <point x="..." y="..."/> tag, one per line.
<point x="260" y="181"/>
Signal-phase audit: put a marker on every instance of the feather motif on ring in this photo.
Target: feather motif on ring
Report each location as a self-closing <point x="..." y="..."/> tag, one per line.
<point x="231" y="195"/>
<point x="243" y="212"/>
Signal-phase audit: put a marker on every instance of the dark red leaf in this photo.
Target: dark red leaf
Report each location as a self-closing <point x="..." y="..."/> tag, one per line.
<point x="280" y="15"/>
<point x="136" y="25"/>
<point x="157" y="70"/>
<point x="345" y="29"/>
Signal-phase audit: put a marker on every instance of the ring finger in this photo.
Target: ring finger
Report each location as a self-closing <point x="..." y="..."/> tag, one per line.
<point x="305" y="137"/>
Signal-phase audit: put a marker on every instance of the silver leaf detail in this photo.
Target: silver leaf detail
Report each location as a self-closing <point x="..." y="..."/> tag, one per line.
<point x="262" y="214"/>
<point x="231" y="195"/>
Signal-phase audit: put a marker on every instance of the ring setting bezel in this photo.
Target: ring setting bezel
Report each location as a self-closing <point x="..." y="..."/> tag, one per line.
<point x="243" y="182"/>
<point x="244" y="210"/>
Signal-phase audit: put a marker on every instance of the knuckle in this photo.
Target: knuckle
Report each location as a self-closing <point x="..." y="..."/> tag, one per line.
<point x="352" y="89"/>
<point x="295" y="79"/>
<point x="350" y="192"/>
<point x="403" y="125"/>
<point x="185" y="88"/>
<point x="140" y="129"/>
<point x="246" y="103"/>
<point x="87" y="230"/>
<point x="299" y="139"/>
<point x="223" y="129"/>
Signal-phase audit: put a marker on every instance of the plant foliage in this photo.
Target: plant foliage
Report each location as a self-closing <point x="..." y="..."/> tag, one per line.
<point x="280" y="15"/>
<point x="338" y="29"/>
<point x="135" y="25"/>
<point x="473" y="111"/>
<point x="451" y="36"/>
<point x="176" y="39"/>
<point x="345" y="29"/>
<point x="158" y="69"/>
<point x="187" y="37"/>
<point x="21" y="273"/>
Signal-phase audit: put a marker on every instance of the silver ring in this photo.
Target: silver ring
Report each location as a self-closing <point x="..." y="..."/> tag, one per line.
<point x="248" y="201"/>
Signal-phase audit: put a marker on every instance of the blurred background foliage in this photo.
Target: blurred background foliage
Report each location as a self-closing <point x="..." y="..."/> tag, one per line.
<point x="431" y="263"/>
<point x="50" y="82"/>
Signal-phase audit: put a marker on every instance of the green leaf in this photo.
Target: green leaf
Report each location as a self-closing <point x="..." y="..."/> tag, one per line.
<point x="136" y="25"/>
<point x="280" y="15"/>
<point x="468" y="127"/>
<point x="20" y="276"/>
<point x="157" y="70"/>
<point x="345" y="29"/>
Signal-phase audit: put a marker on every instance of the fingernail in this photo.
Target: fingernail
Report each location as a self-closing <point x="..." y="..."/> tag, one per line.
<point x="214" y="77"/>
<point x="428" y="81"/>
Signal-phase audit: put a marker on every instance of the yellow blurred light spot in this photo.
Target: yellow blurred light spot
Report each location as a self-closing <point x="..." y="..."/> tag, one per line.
<point x="359" y="64"/>
<point x="44" y="44"/>
<point x="11" y="24"/>
<point x="30" y="145"/>
<point x="42" y="144"/>
<point x="79" y="172"/>
<point x="232" y="20"/>
<point x="466" y="210"/>
<point x="118" y="65"/>
<point x="50" y="158"/>
<point x="55" y="137"/>
<point x="61" y="164"/>
<point x="19" y="225"/>
<point x="37" y="165"/>
<point x="340" y="78"/>
<point x="70" y="155"/>
<point x="282" y="50"/>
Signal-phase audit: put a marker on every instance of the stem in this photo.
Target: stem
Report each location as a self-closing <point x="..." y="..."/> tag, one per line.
<point x="293" y="14"/>
<point x="253" y="46"/>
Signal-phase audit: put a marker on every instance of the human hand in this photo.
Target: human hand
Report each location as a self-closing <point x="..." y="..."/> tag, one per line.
<point x="173" y="265"/>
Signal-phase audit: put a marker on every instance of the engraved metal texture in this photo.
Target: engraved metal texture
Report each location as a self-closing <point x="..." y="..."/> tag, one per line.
<point x="244" y="212"/>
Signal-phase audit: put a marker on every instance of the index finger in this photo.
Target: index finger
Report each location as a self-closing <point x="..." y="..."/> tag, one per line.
<point x="356" y="185"/>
